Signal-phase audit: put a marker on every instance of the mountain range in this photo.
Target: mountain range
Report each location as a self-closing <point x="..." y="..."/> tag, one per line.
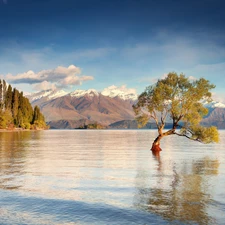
<point x="112" y="108"/>
<point x="84" y="106"/>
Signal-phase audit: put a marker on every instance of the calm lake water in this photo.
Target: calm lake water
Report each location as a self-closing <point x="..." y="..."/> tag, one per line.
<point x="109" y="177"/>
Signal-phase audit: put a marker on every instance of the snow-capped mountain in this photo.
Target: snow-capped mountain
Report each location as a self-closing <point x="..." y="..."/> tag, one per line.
<point x="86" y="105"/>
<point x="214" y="104"/>
<point x="112" y="92"/>
<point x="57" y="94"/>
<point x="122" y="92"/>
<point x="81" y="93"/>
<point x="48" y="94"/>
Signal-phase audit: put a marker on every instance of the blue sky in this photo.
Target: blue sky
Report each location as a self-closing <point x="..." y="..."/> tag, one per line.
<point x="81" y="44"/>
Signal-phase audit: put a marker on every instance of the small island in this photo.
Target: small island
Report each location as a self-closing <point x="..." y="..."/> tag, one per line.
<point x="94" y="125"/>
<point x="16" y="112"/>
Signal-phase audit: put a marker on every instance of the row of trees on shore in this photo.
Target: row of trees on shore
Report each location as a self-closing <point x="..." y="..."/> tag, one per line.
<point x="16" y="110"/>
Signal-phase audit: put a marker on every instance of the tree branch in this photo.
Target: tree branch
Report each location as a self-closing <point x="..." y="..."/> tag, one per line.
<point x="184" y="135"/>
<point x="190" y="131"/>
<point x="162" y="122"/>
<point x="155" y="118"/>
<point x="164" y="118"/>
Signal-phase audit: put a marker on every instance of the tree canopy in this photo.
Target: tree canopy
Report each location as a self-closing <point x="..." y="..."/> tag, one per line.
<point x="180" y="100"/>
<point x="16" y="110"/>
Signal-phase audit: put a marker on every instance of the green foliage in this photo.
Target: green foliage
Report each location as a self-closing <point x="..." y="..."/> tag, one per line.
<point x="39" y="124"/>
<point x="4" y="89"/>
<point x="38" y="120"/>
<point x="5" y="119"/>
<point x="95" y="126"/>
<point x="16" y="110"/>
<point x="205" y="134"/>
<point x="1" y="95"/>
<point x="15" y="103"/>
<point x="180" y="99"/>
<point x="8" y="97"/>
<point x="142" y="120"/>
<point x="19" y="118"/>
<point x="92" y="126"/>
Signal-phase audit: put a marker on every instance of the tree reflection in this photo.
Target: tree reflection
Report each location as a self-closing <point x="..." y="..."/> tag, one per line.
<point x="13" y="150"/>
<point x="156" y="156"/>
<point x="183" y="195"/>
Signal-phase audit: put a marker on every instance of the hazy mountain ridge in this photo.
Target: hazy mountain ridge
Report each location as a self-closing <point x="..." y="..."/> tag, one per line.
<point x="215" y="118"/>
<point x="132" y="124"/>
<point x="69" y="124"/>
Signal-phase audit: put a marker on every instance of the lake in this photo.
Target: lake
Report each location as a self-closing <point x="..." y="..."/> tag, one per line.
<point x="109" y="177"/>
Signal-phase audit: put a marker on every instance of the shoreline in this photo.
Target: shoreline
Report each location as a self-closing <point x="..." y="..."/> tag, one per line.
<point x="18" y="130"/>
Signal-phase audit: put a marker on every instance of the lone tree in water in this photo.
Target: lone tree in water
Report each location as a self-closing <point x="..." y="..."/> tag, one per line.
<point x="179" y="99"/>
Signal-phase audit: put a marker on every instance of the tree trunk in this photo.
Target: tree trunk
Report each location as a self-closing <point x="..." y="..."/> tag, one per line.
<point x="156" y="144"/>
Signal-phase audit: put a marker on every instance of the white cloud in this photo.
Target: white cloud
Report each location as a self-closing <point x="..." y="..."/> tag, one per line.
<point x="218" y="97"/>
<point x="191" y="78"/>
<point x="122" y="92"/>
<point x="45" y="85"/>
<point x="122" y="88"/>
<point x="60" y="77"/>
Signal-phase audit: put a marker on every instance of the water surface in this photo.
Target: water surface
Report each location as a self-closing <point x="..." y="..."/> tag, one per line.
<point x="109" y="177"/>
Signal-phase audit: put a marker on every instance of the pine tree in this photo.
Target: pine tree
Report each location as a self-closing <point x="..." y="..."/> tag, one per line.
<point x="4" y="89"/>
<point x="1" y="95"/>
<point x="38" y="118"/>
<point x="19" y="118"/>
<point x="15" y="105"/>
<point x="8" y="98"/>
<point x="15" y="109"/>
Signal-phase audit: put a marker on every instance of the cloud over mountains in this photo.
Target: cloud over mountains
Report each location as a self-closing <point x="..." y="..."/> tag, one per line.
<point x="123" y="92"/>
<point x="59" y="77"/>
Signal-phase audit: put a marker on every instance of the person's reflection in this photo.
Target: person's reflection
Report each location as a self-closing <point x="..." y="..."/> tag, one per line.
<point x="183" y="195"/>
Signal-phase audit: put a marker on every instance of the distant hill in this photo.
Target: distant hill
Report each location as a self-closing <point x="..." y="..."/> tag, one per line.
<point x="69" y="124"/>
<point x="216" y="117"/>
<point x="132" y="124"/>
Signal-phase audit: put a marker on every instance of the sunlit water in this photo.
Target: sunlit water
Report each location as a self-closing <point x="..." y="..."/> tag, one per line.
<point x="109" y="177"/>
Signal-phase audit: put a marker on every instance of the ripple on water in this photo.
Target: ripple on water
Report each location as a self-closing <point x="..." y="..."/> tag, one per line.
<point x="102" y="177"/>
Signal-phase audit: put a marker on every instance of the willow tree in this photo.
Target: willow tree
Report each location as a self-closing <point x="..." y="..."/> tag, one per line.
<point x="178" y="100"/>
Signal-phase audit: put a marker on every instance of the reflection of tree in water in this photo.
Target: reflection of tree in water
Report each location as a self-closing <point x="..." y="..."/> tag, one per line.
<point x="13" y="150"/>
<point x="182" y="196"/>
